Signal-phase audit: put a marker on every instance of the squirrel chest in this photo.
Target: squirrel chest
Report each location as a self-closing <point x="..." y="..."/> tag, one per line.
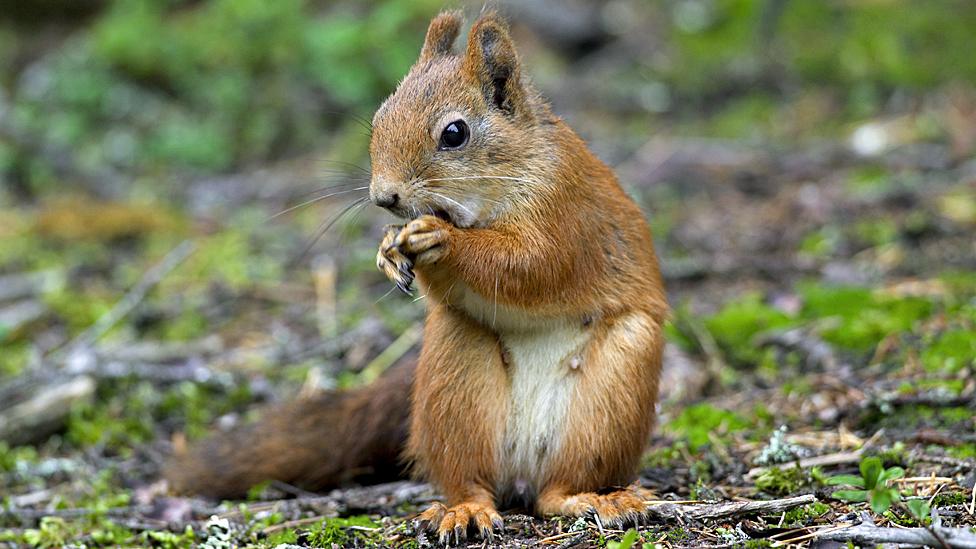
<point x="544" y="358"/>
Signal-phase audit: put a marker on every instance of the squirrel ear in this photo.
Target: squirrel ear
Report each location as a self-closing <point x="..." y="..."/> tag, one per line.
<point x="441" y="34"/>
<point x="490" y="57"/>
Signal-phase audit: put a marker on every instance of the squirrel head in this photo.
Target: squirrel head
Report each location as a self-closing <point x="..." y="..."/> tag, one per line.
<point x="463" y="133"/>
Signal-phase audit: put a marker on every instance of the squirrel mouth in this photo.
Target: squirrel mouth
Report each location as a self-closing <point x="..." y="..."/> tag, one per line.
<point x="442" y="214"/>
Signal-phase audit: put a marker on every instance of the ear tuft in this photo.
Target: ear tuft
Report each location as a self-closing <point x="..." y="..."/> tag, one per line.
<point x="491" y="58"/>
<point x="441" y="34"/>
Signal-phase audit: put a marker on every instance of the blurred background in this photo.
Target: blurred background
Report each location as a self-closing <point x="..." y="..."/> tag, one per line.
<point x="169" y="257"/>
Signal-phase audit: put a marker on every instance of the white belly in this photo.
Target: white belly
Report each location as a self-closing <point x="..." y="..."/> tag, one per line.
<point x="543" y="385"/>
<point x="544" y="357"/>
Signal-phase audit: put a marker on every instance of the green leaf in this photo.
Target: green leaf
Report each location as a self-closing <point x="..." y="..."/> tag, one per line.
<point x="850" y="480"/>
<point x="626" y="541"/>
<point x="890" y="474"/>
<point x="871" y="469"/>
<point x="919" y="508"/>
<point x="851" y="495"/>
<point x="881" y="500"/>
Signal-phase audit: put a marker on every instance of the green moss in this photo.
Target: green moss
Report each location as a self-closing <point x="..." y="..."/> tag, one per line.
<point x="677" y="535"/>
<point x="860" y="318"/>
<point x="739" y="321"/>
<point x="125" y="411"/>
<point x="288" y="535"/>
<point x="699" y="423"/>
<point x="951" y="352"/>
<point x="169" y="540"/>
<point x="801" y="516"/>
<point x="876" y="232"/>
<point x="822" y="242"/>
<point x="13" y="458"/>
<point x="336" y="531"/>
<point x="51" y="532"/>
<point x="964" y="451"/>
<point x="950" y="498"/>
<point x="917" y="415"/>
<point x="782" y="481"/>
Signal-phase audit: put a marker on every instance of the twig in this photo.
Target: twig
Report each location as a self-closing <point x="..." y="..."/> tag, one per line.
<point x="45" y="410"/>
<point x="972" y="502"/>
<point x="666" y="510"/>
<point x="23" y="285"/>
<point x="162" y="351"/>
<point x="867" y="534"/>
<point x="573" y="541"/>
<point x="21" y="313"/>
<point x="816" y="461"/>
<point x="391" y="354"/>
<point x="130" y="300"/>
<point x="816" y="352"/>
<point x="293" y="523"/>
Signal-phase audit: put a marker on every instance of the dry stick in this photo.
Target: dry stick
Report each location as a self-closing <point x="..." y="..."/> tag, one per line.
<point x="665" y="510"/>
<point x="44" y="410"/>
<point x="816" y="461"/>
<point x="391" y="354"/>
<point x="972" y="502"/>
<point x="865" y="534"/>
<point x="292" y="524"/>
<point x="130" y="300"/>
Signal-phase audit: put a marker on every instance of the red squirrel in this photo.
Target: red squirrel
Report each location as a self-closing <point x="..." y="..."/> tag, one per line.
<point x="538" y="375"/>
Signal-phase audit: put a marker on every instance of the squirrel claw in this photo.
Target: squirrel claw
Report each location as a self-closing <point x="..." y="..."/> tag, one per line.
<point x="405" y="288"/>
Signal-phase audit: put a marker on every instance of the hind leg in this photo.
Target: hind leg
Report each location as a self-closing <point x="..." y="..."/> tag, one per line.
<point x="608" y="430"/>
<point x="458" y="412"/>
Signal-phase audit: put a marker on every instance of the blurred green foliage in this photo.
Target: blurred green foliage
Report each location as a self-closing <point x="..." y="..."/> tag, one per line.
<point x="161" y="85"/>
<point x="855" y="320"/>
<point x="698" y="424"/>
<point x="157" y="86"/>
<point x="861" y="47"/>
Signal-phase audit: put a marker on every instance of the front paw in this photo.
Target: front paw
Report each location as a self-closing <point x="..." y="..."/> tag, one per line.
<point x="424" y="240"/>
<point x="396" y="266"/>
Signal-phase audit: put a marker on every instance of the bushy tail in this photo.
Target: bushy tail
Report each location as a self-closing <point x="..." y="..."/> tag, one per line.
<point x="314" y="443"/>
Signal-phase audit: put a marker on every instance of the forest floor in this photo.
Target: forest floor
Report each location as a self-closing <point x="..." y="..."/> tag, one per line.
<point x="173" y="259"/>
<point x="824" y="321"/>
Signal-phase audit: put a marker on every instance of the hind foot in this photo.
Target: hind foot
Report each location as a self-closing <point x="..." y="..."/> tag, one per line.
<point x="614" y="509"/>
<point x="452" y="523"/>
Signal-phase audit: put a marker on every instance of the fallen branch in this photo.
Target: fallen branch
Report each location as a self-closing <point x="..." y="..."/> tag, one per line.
<point x="838" y="458"/>
<point x="130" y="300"/>
<point x="870" y="535"/>
<point x="27" y="285"/>
<point x="21" y="313"/>
<point x="45" y="410"/>
<point x="162" y="351"/>
<point x="817" y="353"/>
<point x="669" y="510"/>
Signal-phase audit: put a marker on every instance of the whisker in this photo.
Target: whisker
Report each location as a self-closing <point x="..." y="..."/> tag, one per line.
<point x="361" y="120"/>
<point x="325" y="226"/>
<point x="462" y="206"/>
<point x="494" y="315"/>
<point x="350" y="165"/>
<point x="522" y="179"/>
<point x="314" y="200"/>
<point x="384" y="296"/>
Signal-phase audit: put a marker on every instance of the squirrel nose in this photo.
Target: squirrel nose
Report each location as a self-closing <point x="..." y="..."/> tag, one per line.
<point x="386" y="200"/>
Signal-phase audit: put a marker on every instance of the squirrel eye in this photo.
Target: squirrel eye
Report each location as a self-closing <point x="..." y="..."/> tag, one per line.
<point x="454" y="136"/>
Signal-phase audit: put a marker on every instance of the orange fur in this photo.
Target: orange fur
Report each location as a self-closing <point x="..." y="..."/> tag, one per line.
<point x="539" y="370"/>
<point x="538" y="269"/>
